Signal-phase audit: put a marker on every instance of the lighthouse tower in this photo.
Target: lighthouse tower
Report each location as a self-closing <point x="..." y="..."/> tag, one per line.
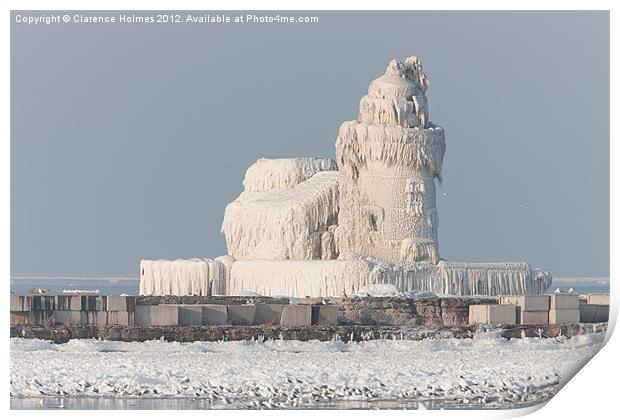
<point x="388" y="160"/>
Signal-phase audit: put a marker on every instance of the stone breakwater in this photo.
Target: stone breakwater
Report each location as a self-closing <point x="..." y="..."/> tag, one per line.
<point x="344" y="333"/>
<point x="385" y="311"/>
<point x="447" y="311"/>
<point x="148" y="311"/>
<point x="225" y="318"/>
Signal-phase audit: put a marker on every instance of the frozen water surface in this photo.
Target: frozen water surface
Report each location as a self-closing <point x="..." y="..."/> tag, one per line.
<point x="486" y="371"/>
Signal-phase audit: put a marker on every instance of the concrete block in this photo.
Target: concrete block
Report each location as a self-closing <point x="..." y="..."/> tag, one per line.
<point x="120" y="303"/>
<point x="564" y="301"/>
<point x="104" y="318"/>
<point x="241" y="314"/>
<point x="20" y="303"/>
<point x="96" y="303"/>
<point x="532" y="317"/>
<point x="214" y="314"/>
<point x="589" y="312"/>
<point x="190" y="315"/>
<point x="20" y="317"/>
<point x="493" y="314"/>
<point x="112" y="318"/>
<point x="125" y="317"/>
<point x="81" y="303"/>
<point x="477" y="314"/>
<point x="564" y="316"/>
<point x="43" y="303"/>
<point x="502" y="314"/>
<point x="90" y="317"/>
<point x="598" y="298"/>
<point x="325" y="314"/>
<point x="296" y="315"/>
<point x="91" y="303"/>
<point x="156" y="315"/>
<point x="41" y="317"/>
<point x="70" y="317"/>
<point x="527" y="302"/>
<point x="268" y="313"/>
<point x="70" y="303"/>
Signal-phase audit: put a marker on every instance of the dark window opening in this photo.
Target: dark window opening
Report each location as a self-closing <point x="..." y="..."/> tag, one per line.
<point x="372" y="222"/>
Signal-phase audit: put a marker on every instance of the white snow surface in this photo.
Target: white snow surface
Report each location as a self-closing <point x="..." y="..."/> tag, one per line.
<point x="483" y="370"/>
<point x="281" y="174"/>
<point x="282" y="224"/>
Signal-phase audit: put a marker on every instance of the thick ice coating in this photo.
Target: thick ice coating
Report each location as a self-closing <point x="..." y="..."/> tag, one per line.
<point x="196" y="276"/>
<point x="281" y="174"/>
<point x="388" y="162"/>
<point x="282" y="224"/>
<point x="348" y="275"/>
<point x="344" y="276"/>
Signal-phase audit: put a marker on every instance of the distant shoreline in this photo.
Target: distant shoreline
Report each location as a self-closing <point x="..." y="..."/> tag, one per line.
<point x="581" y="280"/>
<point x="115" y="285"/>
<point x="74" y="278"/>
<point x="567" y="280"/>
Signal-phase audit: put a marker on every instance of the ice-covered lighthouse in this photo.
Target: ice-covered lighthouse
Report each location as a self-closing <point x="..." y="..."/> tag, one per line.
<point x="315" y="227"/>
<point x="388" y="161"/>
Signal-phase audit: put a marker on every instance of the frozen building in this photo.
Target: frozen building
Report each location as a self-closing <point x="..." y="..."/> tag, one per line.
<point x="315" y="227"/>
<point x="389" y="159"/>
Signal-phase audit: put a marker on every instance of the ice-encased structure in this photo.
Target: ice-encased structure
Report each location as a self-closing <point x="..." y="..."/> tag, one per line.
<point x="347" y="276"/>
<point x="388" y="162"/>
<point x="282" y="223"/>
<point x="195" y="276"/>
<point x="306" y="227"/>
<point x="281" y="174"/>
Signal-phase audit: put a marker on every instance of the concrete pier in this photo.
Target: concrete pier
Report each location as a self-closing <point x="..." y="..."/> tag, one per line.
<point x="202" y="311"/>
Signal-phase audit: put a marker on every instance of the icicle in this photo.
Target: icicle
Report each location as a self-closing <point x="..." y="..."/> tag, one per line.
<point x="196" y="276"/>
<point x="350" y="273"/>
<point x="227" y="261"/>
<point x="419" y="249"/>
<point x="492" y="278"/>
<point x="328" y="246"/>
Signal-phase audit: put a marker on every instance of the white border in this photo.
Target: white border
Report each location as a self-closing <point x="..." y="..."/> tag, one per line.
<point x="592" y="394"/>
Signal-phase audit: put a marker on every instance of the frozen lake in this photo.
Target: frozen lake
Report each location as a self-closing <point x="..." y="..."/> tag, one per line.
<point x="93" y="403"/>
<point x="486" y="371"/>
<point x="105" y="285"/>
